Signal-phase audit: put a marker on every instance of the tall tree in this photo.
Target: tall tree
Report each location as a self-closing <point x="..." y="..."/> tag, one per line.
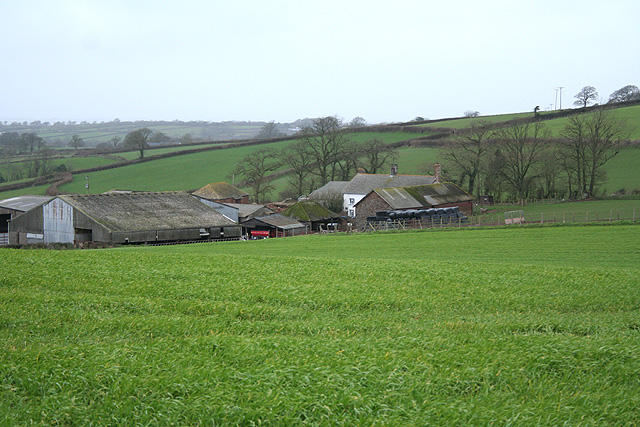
<point x="586" y="95"/>
<point x="326" y="144"/>
<point x="520" y="147"/>
<point x="138" y="139"/>
<point x="31" y="141"/>
<point x="298" y="160"/>
<point x="255" y="168"/>
<point x="467" y="153"/>
<point x="590" y="141"/>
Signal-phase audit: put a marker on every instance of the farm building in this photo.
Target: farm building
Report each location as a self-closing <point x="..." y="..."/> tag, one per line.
<point x="363" y="184"/>
<point x="222" y="192"/>
<point x="14" y="207"/>
<point x="122" y="218"/>
<point x="315" y="216"/>
<point x="440" y="195"/>
<point x="274" y="225"/>
<point x="249" y="211"/>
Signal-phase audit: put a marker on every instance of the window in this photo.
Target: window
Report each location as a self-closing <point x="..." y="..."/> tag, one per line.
<point x="351" y="200"/>
<point x="352" y="213"/>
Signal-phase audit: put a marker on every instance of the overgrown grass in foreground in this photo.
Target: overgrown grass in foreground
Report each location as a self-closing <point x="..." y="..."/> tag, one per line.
<point x="228" y="334"/>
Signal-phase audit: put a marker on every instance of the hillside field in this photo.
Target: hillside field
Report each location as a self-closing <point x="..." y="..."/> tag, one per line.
<point x="516" y="326"/>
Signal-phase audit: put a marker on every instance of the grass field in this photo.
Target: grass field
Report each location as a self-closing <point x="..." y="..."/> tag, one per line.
<point x="475" y="327"/>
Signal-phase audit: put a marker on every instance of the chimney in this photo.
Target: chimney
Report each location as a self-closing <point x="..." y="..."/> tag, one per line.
<point x="394" y="170"/>
<point x="438" y="171"/>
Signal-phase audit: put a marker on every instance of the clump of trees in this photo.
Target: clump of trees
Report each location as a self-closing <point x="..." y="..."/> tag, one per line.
<point x="325" y="152"/>
<point x="523" y="161"/>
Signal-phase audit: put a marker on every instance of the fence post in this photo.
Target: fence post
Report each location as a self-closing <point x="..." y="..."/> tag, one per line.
<point x="634" y="215"/>
<point x="541" y="217"/>
<point x="563" y="217"/>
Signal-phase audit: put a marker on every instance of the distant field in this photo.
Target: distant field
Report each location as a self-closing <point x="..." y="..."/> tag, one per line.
<point x="519" y="326"/>
<point x="466" y="122"/>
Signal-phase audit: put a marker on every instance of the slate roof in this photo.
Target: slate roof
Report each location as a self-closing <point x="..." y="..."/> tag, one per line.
<point x="328" y="190"/>
<point x="280" y="221"/>
<point x="147" y="211"/>
<point x="24" y="203"/>
<point x="219" y="191"/>
<point x="364" y="183"/>
<point x="309" y="211"/>
<point x="423" y="196"/>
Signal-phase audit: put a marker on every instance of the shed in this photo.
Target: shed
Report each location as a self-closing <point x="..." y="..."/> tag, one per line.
<point x="123" y="218"/>
<point x="14" y="207"/>
<point x="312" y="214"/>
<point x="440" y="195"/>
<point x="274" y="225"/>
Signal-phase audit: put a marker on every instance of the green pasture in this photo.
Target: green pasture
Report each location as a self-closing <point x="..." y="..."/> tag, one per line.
<point x="519" y="326"/>
<point x="629" y="115"/>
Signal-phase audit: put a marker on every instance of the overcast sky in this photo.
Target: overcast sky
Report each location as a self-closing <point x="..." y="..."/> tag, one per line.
<point x="260" y="60"/>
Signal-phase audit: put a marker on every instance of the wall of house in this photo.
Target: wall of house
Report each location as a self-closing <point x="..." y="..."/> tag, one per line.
<point x="367" y="207"/>
<point x="349" y="202"/>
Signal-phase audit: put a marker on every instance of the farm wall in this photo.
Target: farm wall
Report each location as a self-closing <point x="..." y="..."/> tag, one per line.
<point x="368" y="206"/>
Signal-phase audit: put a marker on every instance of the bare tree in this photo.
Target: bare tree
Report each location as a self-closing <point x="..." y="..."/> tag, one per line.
<point x="255" y="167"/>
<point x="586" y="95"/>
<point x="591" y="140"/>
<point x="269" y="131"/>
<point x="626" y="93"/>
<point x="138" y="139"/>
<point x="471" y="113"/>
<point x="298" y="160"/>
<point x="326" y="145"/>
<point x="376" y="155"/>
<point x="520" y="147"/>
<point x="467" y="153"/>
<point x="76" y="142"/>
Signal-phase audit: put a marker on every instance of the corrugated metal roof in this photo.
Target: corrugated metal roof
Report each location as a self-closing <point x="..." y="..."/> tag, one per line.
<point x="423" y="196"/>
<point x="364" y="183"/>
<point x="24" y="203"/>
<point x="219" y="191"/>
<point x="147" y="211"/>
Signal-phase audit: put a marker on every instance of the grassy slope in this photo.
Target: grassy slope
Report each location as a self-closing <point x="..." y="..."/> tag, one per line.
<point x="528" y="327"/>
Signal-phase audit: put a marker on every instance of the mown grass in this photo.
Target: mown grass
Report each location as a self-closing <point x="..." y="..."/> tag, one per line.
<point x="373" y="333"/>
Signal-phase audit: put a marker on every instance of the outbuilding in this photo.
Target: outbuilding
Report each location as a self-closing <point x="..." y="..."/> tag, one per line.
<point x="14" y="207"/>
<point x="312" y="214"/>
<point x="137" y="217"/>
<point x="440" y="195"/>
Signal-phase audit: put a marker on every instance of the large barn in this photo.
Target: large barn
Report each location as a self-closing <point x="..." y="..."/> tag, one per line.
<point x="122" y="218"/>
<point x="440" y="195"/>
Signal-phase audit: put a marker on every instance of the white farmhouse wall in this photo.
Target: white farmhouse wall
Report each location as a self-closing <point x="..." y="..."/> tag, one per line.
<point x="58" y="222"/>
<point x="349" y="202"/>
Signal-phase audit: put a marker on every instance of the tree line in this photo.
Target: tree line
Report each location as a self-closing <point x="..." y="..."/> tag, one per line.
<point x="523" y="161"/>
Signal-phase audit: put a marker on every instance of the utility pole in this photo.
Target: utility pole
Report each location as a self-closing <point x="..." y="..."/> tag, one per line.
<point x="560" y="88"/>
<point x="87" y="184"/>
<point x="555" y="106"/>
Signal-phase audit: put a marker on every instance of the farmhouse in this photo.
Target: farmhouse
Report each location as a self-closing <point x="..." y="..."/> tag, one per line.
<point x="122" y="218"/>
<point x="363" y="184"/>
<point x="222" y="192"/>
<point x="312" y="214"/>
<point x="440" y="195"/>
<point x="14" y="207"/>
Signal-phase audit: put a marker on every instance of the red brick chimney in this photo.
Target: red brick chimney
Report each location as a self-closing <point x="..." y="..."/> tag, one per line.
<point x="438" y="171"/>
<point x="394" y="170"/>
